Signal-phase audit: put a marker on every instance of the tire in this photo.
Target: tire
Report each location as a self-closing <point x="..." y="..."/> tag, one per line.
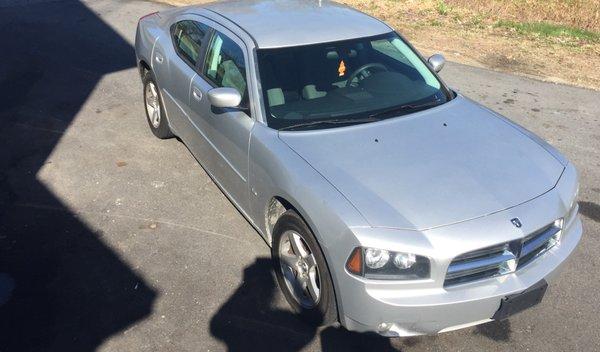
<point x="320" y="311"/>
<point x="155" y="112"/>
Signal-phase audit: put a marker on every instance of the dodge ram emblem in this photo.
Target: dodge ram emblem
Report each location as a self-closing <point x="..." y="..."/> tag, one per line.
<point x="516" y="222"/>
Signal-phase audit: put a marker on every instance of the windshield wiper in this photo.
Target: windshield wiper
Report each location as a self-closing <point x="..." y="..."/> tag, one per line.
<point x="406" y="107"/>
<point x="373" y="117"/>
<point x="330" y="122"/>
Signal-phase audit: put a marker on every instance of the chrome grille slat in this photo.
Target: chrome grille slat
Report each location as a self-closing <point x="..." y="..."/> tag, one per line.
<point x="483" y="252"/>
<point x="536" y="233"/>
<point x="475" y="266"/>
<point x="539" y="241"/>
<point x="470" y="278"/>
<point x="500" y="259"/>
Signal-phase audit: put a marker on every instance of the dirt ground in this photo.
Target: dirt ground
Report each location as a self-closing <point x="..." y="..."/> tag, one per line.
<point x="476" y="41"/>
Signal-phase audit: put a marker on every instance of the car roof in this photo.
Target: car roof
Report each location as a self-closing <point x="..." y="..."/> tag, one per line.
<point x="284" y="23"/>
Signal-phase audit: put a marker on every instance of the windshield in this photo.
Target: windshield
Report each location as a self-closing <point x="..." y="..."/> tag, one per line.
<point x="349" y="82"/>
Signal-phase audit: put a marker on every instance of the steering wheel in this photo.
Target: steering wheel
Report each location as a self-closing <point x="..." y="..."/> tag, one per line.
<point x="366" y="67"/>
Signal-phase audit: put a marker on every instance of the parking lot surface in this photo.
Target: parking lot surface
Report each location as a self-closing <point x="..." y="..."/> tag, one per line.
<point x="113" y="240"/>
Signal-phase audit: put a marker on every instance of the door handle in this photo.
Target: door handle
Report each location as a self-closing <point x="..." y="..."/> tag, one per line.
<point x="197" y="94"/>
<point x="159" y="58"/>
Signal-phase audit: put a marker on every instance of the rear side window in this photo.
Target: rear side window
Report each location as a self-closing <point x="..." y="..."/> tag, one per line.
<point x="225" y="65"/>
<point x="187" y="37"/>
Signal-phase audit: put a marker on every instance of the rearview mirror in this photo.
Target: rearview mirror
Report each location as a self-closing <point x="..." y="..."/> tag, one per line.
<point x="224" y="97"/>
<point x="437" y="62"/>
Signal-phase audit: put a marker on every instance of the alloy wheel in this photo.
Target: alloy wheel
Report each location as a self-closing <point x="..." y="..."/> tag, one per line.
<point x="153" y="104"/>
<point x="300" y="270"/>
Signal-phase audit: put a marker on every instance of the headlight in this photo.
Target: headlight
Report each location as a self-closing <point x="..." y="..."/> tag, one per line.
<point x="373" y="263"/>
<point x="376" y="258"/>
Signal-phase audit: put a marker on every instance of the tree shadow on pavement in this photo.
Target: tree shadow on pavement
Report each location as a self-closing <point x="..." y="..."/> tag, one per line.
<point x="251" y="320"/>
<point x="61" y="287"/>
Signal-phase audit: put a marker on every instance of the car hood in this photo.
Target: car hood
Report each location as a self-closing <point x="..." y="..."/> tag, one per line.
<point x="452" y="163"/>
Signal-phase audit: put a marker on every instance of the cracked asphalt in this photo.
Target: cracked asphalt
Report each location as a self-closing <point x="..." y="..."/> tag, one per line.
<point x="113" y="240"/>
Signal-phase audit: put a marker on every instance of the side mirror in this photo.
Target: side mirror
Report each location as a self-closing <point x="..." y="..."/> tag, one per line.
<point x="224" y="97"/>
<point x="437" y="62"/>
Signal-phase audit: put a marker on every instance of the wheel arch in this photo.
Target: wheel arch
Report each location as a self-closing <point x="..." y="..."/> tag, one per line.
<point x="143" y="67"/>
<point x="279" y="204"/>
<point x="276" y="207"/>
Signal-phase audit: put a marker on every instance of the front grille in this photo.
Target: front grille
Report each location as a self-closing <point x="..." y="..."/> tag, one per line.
<point x="501" y="259"/>
<point x="537" y="243"/>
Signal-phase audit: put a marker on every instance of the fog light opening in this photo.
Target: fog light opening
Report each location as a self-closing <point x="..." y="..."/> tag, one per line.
<point x="384" y="327"/>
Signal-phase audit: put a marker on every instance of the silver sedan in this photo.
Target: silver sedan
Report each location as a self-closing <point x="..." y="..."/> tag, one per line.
<point x="391" y="203"/>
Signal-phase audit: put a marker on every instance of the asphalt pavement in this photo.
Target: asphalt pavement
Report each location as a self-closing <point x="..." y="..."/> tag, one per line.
<point x="113" y="240"/>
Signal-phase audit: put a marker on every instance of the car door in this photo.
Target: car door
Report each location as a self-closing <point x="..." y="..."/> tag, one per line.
<point x="176" y="59"/>
<point x="228" y="130"/>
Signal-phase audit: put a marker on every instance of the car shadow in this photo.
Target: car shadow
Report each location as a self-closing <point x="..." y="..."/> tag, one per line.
<point x="256" y="317"/>
<point x="251" y="317"/>
<point x="590" y="210"/>
<point x="61" y="287"/>
<point x="340" y="339"/>
<point x="495" y="330"/>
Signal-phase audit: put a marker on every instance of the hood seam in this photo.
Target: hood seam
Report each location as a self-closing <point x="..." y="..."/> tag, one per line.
<point x="474" y="218"/>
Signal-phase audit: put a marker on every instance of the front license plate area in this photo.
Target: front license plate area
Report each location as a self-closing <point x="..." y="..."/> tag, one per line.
<point x="514" y="304"/>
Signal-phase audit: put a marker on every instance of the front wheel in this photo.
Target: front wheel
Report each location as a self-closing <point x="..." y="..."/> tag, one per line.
<point x="301" y="270"/>
<point x="154" y="109"/>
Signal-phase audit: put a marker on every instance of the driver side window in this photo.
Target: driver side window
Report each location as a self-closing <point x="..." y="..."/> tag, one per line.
<point x="225" y="65"/>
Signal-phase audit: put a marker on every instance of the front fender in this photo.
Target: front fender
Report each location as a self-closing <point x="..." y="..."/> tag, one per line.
<point x="277" y="171"/>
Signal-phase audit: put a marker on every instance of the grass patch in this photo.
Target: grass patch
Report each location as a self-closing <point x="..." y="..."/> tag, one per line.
<point x="442" y="8"/>
<point x="550" y="30"/>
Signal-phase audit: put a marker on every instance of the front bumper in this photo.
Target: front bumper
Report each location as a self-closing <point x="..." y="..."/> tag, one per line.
<point x="391" y="311"/>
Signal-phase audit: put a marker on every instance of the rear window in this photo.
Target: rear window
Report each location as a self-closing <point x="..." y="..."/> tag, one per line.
<point x="187" y="38"/>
